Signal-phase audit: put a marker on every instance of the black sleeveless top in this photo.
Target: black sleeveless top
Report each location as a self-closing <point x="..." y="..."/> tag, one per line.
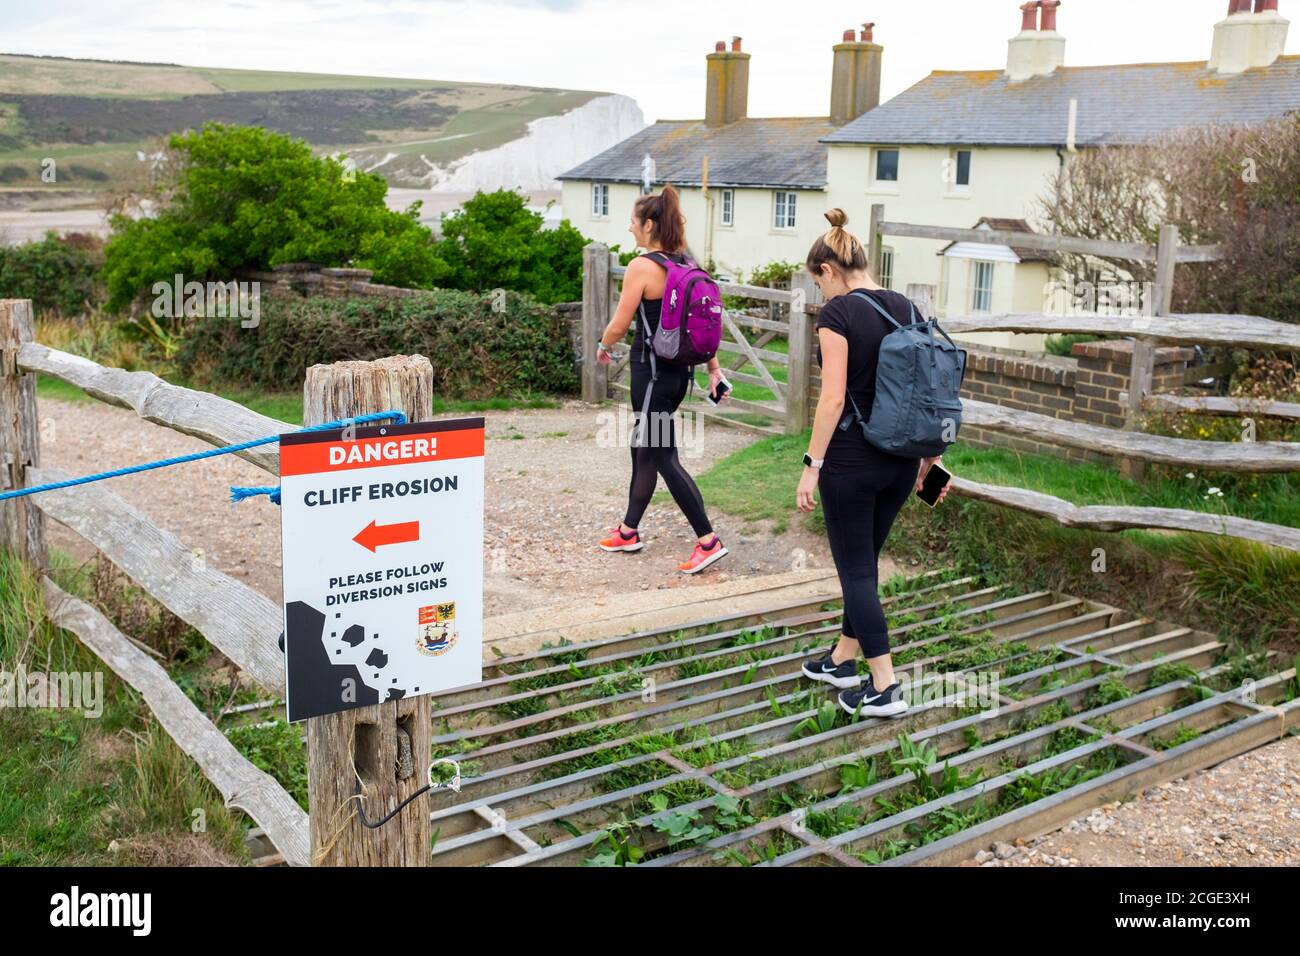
<point x="653" y="309"/>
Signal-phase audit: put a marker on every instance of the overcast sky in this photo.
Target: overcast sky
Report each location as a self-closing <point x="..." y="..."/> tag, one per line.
<point x="652" y="51"/>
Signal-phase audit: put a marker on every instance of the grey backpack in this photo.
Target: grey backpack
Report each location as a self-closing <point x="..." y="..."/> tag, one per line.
<point x="917" y="409"/>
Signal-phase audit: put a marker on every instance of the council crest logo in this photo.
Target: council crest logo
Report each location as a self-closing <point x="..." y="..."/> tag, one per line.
<point x="437" y="629"/>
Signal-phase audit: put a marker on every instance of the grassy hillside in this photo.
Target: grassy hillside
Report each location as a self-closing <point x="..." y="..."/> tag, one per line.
<point x="93" y="117"/>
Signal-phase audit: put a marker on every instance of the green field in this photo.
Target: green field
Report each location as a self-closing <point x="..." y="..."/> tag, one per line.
<point x="59" y="108"/>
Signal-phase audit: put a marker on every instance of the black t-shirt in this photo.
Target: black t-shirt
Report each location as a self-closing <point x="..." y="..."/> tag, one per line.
<point x="864" y="328"/>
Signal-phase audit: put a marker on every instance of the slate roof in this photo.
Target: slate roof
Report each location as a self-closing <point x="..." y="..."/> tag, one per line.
<point x="749" y="152"/>
<point x="1011" y="225"/>
<point x="1118" y="105"/>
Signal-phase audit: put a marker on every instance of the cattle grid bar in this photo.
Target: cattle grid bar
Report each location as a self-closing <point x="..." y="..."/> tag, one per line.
<point x="704" y="745"/>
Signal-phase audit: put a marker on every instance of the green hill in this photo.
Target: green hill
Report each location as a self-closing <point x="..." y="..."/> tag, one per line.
<point x="95" y="117"/>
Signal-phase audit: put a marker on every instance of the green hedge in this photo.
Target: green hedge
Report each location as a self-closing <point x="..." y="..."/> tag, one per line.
<point x="59" y="276"/>
<point x="476" y="351"/>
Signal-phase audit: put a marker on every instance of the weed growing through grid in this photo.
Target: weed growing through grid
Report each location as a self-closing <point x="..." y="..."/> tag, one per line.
<point x="1181" y="735"/>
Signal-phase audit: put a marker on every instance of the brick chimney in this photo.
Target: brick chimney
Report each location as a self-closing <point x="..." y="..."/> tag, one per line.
<point x="1037" y="50"/>
<point x="1248" y="39"/>
<point x="855" y="75"/>
<point x="726" y="95"/>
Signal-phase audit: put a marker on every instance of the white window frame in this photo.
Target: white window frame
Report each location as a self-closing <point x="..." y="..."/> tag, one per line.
<point x="954" y="187"/>
<point x="886" y="276"/>
<point x="981" y="293"/>
<point x="600" y="200"/>
<point x="886" y="185"/>
<point x="785" y="210"/>
<point x="727" y="208"/>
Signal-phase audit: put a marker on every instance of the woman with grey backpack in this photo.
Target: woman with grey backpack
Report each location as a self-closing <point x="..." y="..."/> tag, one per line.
<point x="862" y="486"/>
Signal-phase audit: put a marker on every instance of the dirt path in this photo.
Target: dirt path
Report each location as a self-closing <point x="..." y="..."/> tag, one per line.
<point x="555" y="482"/>
<point x="1243" y="812"/>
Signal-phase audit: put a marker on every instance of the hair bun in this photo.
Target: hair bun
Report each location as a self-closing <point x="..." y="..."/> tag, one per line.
<point x="837" y="218"/>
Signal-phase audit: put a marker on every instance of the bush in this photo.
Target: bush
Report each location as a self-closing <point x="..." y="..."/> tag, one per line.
<point x="476" y="352"/>
<point x="495" y="242"/>
<point x="1235" y="185"/>
<point x="247" y="198"/>
<point x="59" y="276"/>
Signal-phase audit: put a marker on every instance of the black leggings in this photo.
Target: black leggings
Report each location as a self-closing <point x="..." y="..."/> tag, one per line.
<point x="860" y="507"/>
<point x="656" y="453"/>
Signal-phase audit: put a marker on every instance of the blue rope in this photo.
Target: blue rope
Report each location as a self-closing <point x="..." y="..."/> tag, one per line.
<point x="397" y="418"/>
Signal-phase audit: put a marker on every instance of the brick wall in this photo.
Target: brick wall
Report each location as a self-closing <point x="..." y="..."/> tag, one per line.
<point x="1091" y="387"/>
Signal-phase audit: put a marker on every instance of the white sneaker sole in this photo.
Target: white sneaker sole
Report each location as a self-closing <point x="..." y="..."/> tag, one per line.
<point x="624" y="547"/>
<point x="894" y="709"/>
<point x="722" y="553"/>
<point x="840" y="683"/>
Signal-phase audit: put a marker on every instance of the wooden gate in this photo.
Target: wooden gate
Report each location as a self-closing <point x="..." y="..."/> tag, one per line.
<point x="766" y="356"/>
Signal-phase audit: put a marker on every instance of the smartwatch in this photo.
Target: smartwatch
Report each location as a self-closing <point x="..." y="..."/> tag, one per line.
<point x="812" y="462"/>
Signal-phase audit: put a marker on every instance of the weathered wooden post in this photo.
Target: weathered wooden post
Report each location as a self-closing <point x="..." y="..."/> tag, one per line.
<point x="22" y="525"/>
<point x="389" y="744"/>
<point x="876" y="240"/>
<point x="596" y="283"/>
<point x="1142" y="371"/>
<point x="799" y="373"/>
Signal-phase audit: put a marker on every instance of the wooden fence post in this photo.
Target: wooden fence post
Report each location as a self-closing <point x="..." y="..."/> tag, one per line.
<point x="799" y="371"/>
<point x="388" y="744"/>
<point x="875" y="240"/>
<point x="1142" y="371"/>
<point x="596" y="283"/>
<point x="22" y="525"/>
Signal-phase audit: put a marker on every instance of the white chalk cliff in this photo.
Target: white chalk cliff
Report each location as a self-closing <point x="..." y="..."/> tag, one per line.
<point x="551" y="145"/>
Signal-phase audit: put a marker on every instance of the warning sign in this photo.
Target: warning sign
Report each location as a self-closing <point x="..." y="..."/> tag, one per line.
<point x="383" y="563"/>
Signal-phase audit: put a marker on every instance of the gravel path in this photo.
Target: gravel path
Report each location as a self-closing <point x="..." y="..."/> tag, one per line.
<point x="1243" y="812"/>
<point x="556" y="479"/>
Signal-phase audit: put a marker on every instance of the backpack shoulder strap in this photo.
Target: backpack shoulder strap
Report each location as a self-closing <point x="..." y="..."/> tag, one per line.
<point x="876" y="305"/>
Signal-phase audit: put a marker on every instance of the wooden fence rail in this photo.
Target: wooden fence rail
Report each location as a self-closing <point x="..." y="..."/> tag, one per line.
<point x="240" y="622"/>
<point x="241" y="784"/>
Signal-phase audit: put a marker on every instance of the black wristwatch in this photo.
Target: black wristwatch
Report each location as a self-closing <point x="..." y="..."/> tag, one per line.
<point x="811" y="462"/>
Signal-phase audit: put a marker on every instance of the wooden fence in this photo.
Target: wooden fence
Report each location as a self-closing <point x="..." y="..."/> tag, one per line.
<point x="240" y="622"/>
<point x="1130" y="444"/>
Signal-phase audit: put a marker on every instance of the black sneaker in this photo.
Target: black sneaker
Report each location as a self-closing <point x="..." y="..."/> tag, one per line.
<point x="828" y="672"/>
<point x="870" y="702"/>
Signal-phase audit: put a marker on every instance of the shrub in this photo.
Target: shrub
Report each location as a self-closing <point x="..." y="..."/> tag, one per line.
<point x="247" y="198"/>
<point x="1235" y="185"/>
<point x="59" y="276"/>
<point x="476" y="351"/>
<point x="495" y="242"/>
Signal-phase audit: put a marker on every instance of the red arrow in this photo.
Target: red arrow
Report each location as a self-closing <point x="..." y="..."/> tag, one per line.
<point x="376" y="536"/>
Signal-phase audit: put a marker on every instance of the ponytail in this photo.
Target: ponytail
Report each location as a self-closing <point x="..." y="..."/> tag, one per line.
<point x="837" y="246"/>
<point x="665" y="211"/>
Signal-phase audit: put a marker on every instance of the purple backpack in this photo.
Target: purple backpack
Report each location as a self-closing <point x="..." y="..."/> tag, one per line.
<point x="690" y="319"/>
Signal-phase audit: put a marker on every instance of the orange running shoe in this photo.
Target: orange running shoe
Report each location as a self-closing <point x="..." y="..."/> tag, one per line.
<point x="618" y="541"/>
<point x="702" y="557"/>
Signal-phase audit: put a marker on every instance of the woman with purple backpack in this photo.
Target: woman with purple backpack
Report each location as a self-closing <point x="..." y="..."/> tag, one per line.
<point x="658" y="387"/>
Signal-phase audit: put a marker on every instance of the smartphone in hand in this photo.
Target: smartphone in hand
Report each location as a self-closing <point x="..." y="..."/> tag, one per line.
<point x="936" y="479"/>
<point x="719" y="393"/>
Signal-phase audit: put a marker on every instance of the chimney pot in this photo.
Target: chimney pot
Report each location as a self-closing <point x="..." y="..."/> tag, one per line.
<point x="866" y="32"/>
<point x="1264" y="6"/>
<point x="1239" y="6"/>
<point x="1049" y="14"/>
<point x="1029" y="19"/>
<point x="720" y="46"/>
<point x="735" y="44"/>
<point x="850" y="36"/>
